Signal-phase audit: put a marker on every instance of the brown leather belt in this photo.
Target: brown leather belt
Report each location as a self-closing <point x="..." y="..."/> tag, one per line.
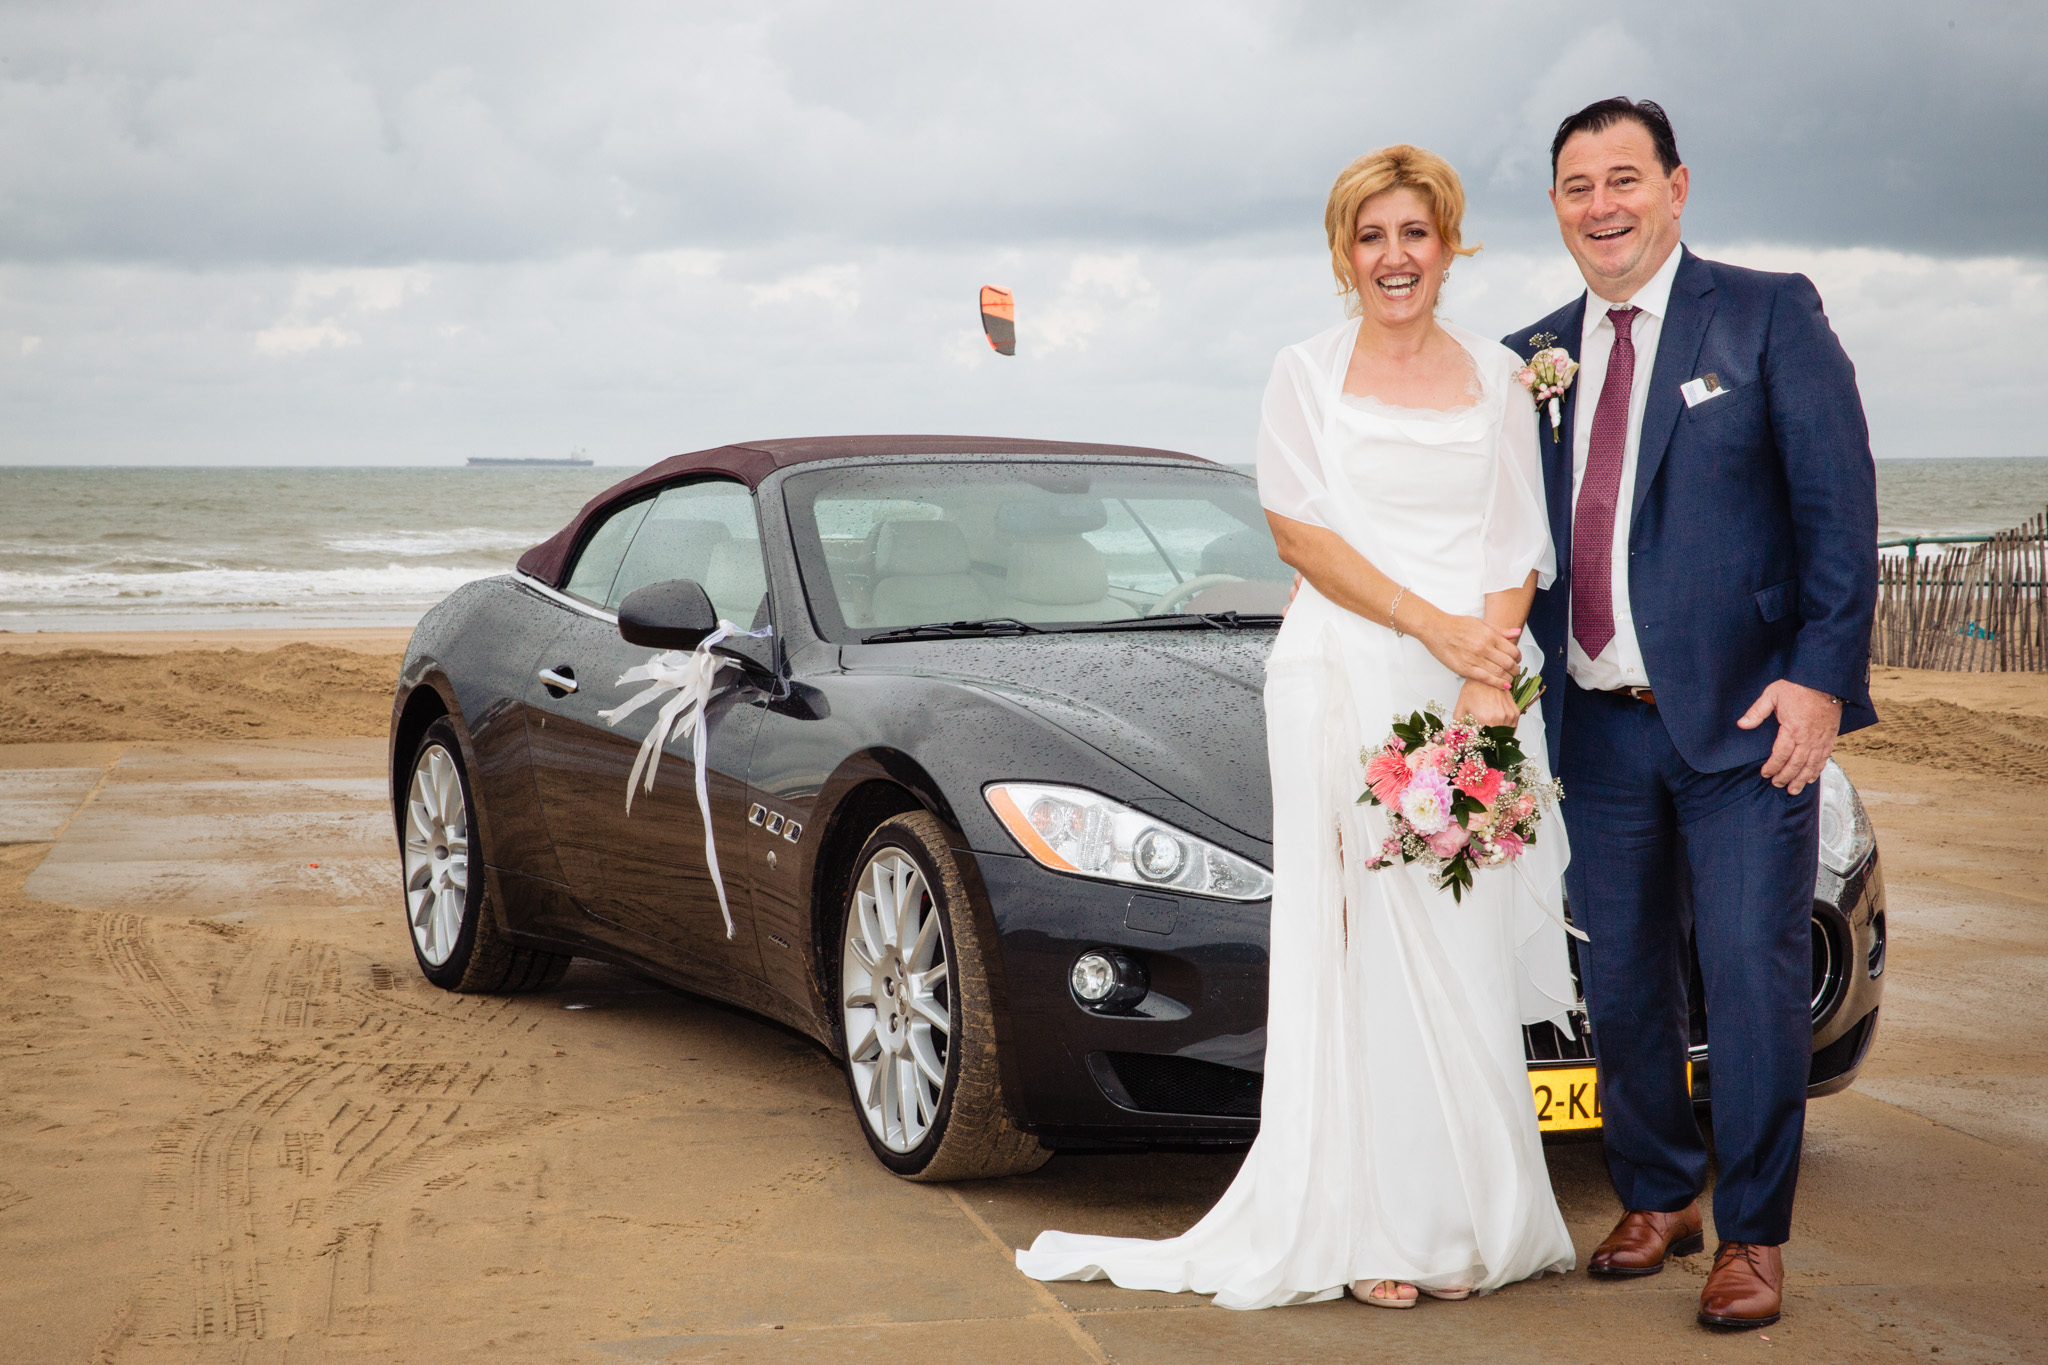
<point x="1641" y="694"/>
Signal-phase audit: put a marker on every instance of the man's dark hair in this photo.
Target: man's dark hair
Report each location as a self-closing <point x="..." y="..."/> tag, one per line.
<point x="1601" y="115"/>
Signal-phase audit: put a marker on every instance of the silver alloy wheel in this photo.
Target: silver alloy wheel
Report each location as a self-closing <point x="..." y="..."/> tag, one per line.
<point x="896" y="1000"/>
<point x="436" y="854"/>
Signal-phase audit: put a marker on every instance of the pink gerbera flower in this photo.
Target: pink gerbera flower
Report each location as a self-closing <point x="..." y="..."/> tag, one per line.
<point x="1386" y="775"/>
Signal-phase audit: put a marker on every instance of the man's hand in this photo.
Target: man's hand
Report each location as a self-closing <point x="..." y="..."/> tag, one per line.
<point x="1808" y="722"/>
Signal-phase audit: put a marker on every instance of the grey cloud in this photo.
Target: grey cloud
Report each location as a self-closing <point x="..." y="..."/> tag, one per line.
<point x="383" y="135"/>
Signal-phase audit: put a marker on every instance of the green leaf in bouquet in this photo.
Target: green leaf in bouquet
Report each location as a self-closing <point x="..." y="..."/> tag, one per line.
<point x="1457" y="879"/>
<point x="1527" y="688"/>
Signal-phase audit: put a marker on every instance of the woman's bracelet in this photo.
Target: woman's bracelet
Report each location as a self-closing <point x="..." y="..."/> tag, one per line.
<point x="1399" y="592"/>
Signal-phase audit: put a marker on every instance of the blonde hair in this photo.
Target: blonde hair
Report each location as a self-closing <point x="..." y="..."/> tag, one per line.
<point x="1399" y="167"/>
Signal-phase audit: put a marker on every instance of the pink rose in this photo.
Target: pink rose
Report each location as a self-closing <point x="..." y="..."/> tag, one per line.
<point x="1446" y="841"/>
<point x="1426" y="802"/>
<point x="1526" y="377"/>
<point x="1507" y="847"/>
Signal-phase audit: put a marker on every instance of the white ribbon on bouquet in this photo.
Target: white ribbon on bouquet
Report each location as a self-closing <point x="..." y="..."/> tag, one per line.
<point x="693" y="677"/>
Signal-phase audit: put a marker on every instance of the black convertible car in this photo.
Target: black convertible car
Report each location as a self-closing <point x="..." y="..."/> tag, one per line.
<point x="989" y="799"/>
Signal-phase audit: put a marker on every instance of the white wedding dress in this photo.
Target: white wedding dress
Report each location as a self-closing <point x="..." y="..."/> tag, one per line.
<point x="1397" y="1135"/>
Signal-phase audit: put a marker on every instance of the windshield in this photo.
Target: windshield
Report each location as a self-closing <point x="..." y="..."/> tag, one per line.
<point x="1052" y="543"/>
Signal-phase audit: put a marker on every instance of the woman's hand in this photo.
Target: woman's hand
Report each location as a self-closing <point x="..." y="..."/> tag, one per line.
<point x="1486" y="705"/>
<point x="1472" y="649"/>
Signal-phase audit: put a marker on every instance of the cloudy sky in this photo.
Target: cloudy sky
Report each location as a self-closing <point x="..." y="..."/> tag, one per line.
<point x="360" y="233"/>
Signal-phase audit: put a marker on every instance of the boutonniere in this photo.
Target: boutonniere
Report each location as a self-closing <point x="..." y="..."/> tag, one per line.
<point x="1547" y="375"/>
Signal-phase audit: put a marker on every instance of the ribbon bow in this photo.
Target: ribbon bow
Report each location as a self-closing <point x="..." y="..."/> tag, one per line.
<point x="693" y="677"/>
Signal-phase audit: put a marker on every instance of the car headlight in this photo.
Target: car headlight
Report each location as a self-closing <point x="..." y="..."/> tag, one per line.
<point x="1845" y="834"/>
<point x="1069" y="829"/>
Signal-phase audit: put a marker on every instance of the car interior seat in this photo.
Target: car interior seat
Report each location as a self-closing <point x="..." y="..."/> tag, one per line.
<point x="1059" y="578"/>
<point x="667" y="550"/>
<point x="924" y="572"/>
<point x="735" y="581"/>
<point x="1051" y="572"/>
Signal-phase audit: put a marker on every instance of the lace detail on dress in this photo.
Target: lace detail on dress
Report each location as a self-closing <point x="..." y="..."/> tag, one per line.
<point x="1475" y="389"/>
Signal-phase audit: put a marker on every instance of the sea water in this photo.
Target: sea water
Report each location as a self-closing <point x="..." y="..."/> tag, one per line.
<point x="153" y="548"/>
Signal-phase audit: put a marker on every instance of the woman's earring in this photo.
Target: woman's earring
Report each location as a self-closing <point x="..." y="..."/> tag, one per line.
<point x="1447" y="275"/>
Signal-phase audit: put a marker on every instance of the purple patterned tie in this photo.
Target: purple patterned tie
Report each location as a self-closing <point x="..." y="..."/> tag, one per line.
<point x="1593" y="519"/>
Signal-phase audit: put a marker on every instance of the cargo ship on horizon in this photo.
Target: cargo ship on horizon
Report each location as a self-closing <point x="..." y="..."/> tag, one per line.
<point x="575" y="459"/>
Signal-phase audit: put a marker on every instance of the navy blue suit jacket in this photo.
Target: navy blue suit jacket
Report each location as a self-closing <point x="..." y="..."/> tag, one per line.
<point x="1753" y="527"/>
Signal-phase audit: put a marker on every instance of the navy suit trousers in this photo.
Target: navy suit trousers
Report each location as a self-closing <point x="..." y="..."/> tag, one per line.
<point x="1651" y="836"/>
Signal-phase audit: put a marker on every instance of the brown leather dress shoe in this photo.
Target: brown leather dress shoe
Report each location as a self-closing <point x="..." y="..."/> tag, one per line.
<point x="1642" y="1240"/>
<point x="1746" y="1288"/>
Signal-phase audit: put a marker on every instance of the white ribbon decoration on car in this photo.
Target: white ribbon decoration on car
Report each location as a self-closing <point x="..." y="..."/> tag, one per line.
<point x="693" y="677"/>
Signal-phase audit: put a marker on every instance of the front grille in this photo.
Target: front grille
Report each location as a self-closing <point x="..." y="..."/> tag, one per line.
<point x="1831" y="957"/>
<point x="1546" y="1042"/>
<point x="1829" y="982"/>
<point x="1183" y="1085"/>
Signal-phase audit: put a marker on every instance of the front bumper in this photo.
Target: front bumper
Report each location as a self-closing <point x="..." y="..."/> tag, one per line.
<point x="1185" y="1068"/>
<point x="1084" y="1080"/>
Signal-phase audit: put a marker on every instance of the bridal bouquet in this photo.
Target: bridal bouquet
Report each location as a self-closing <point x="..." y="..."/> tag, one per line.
<point x="1460" y="795"/>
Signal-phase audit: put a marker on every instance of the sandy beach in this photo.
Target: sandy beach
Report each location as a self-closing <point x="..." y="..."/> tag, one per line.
<point x="236" y="1125"/>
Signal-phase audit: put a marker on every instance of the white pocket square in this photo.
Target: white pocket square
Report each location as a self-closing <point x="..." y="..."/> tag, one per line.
<point x="1701" y="390"/>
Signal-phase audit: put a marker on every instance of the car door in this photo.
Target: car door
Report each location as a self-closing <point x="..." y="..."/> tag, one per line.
<point x="648" y="873"/>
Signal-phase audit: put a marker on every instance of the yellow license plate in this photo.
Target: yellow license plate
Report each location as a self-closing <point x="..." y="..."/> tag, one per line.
<point x="1566" y="1098"/>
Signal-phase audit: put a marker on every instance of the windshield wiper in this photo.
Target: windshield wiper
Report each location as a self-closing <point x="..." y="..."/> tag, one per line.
<point x="955" y="630"/>
<point x="1184" y="620"/>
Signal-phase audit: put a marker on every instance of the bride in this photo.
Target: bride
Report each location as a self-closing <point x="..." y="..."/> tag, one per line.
<point x="1398" y="1151"/>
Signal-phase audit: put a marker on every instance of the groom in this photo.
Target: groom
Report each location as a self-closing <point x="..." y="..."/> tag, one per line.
<point x="1707" y="637"/>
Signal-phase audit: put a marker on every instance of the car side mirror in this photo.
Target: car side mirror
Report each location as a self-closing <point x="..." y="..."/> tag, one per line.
<point x="673" y="615"/>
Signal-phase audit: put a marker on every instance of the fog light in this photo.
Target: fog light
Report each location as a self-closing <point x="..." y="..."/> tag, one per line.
<point x="1094" y="978"/>
<point x="1106" y="981"/>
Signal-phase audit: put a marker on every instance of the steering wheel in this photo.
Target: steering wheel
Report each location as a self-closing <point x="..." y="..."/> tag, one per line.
<point x="1180" y="594"/>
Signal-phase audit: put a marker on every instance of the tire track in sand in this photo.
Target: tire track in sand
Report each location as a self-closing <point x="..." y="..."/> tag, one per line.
<point x="334" y="1105"/>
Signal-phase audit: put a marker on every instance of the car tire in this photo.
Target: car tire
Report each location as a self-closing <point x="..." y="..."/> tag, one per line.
<point x="450" y="922"/>
<point x="965" y="1133"/>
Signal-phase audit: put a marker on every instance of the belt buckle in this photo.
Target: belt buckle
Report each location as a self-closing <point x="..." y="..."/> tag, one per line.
<point x="1642" y="694"/>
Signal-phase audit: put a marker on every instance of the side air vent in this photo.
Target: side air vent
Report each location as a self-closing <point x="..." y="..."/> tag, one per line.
<point x="1183" y="1085"/>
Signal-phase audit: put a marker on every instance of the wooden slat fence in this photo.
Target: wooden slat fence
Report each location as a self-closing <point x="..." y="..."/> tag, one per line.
<point x="1966" y="608"/>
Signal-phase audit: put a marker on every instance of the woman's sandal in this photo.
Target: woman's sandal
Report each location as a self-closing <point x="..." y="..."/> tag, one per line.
<point x="1373" y="1296"/>
<point x="1449" y="1295"/>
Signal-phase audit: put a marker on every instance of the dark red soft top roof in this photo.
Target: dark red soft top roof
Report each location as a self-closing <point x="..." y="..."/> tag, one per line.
<point x="756" y="460"/>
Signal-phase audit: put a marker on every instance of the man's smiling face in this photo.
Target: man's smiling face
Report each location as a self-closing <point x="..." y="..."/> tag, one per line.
<point x="1617" y="208"/>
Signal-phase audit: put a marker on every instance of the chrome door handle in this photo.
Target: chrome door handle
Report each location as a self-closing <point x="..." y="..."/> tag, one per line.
<point x="563" y="682"/>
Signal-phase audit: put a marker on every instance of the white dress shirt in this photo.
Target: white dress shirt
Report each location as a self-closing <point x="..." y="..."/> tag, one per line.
<point x="1621" y="663"/>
